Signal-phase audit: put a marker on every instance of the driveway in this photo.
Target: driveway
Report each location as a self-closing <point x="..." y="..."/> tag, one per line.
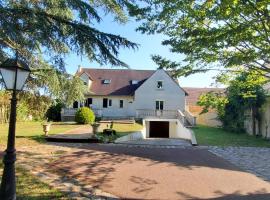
<point x="158" y="142"/>
<point x="160" y="173"/>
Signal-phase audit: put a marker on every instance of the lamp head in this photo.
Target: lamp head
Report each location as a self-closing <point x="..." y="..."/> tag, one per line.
<point x="14" y="73"/>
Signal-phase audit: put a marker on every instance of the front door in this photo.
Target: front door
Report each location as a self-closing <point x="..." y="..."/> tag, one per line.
<point x="159" y="129"/>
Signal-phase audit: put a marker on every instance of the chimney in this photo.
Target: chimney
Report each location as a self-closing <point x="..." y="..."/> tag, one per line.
<point x="79" y="68"/>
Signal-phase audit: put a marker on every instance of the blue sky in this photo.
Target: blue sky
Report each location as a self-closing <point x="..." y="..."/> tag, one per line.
<point x="141" y="58"/>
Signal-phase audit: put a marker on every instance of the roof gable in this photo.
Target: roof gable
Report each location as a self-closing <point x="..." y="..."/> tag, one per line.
<point x="168" y="75"/>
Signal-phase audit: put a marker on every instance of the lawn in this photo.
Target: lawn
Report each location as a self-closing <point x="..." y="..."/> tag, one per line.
<point x="30" y="133"/>
<point x="210" y="136"/>
<point x="121" y="130"/>
<point x="30" y="188"/>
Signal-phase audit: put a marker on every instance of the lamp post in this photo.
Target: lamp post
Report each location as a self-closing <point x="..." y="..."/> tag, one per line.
<point x="14" y="74"/>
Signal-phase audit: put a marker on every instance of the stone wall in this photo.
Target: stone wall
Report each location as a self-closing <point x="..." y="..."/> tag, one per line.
<point x="207" y="119"/>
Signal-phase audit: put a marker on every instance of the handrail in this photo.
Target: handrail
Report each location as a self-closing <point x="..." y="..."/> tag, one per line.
<point x="181" y="116"/>
<point x="190" y="118"/>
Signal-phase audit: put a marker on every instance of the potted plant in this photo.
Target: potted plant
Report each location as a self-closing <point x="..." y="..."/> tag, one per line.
<point x="95" y="126"/>
<point x="46" y="128"/>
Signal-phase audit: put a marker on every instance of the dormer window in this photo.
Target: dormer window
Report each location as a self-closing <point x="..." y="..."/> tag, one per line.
<point x="159" y="84"/>
<point x="106" y="81"/>
<point x="134" y="82"/>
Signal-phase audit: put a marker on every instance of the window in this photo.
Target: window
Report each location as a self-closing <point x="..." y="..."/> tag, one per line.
<point x="159" y="105"/>
<point x="106" y="81"/>
<point x="110" y="102"/>
<point x="121" y="104"/>
<point x="85" y="83"/>
<point x="81" y="104"/>
<point x="134" y="82"/>
<point x="160" y="84"/>
<point x="88" y="102"/>
<point x="105" y="103"/>
<point x="75" y="104"/>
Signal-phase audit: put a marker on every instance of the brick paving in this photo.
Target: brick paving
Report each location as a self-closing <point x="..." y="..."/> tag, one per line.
<point x="159" y="173"/>
<point x="108" y="171"/>
<point x="150" y="172"/>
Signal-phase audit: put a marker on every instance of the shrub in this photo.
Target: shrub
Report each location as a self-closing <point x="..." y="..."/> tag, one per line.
<point x="84" y="115"/>
<point x="54" y="112"/>
<point x="22" y="111"/>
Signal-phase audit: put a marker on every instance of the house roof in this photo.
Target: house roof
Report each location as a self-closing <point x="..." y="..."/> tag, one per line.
<point x="195" y="93"/>
<point x="120" y="80"/>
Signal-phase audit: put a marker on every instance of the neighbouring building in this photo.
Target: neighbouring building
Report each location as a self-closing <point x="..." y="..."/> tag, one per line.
<point x="209" y="118"/>
<point x="151" y="95"/>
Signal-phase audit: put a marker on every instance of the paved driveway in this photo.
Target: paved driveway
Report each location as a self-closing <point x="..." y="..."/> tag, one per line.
<point x="160" y="173"/>
<point x="158" y="142"/>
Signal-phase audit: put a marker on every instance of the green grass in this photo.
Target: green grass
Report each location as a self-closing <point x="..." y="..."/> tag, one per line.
<point x="31" y="133"/>
<point x="124" y="129"/>
<point x="30" y="188"/>
<point x="121" y="130"/>
<point x="210" y="136"/>
<point x="28" y="134"/>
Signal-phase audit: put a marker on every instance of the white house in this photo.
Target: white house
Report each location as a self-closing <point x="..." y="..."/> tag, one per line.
<point x="151" y="95"/>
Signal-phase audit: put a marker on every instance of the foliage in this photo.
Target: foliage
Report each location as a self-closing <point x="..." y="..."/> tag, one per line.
<point x="105" y="138"/>
<point x="30" y="106"/>
<point x="45" y="32"/>
<point x="22" y="111"/>
<point x="54" y="111"/>
<point x="37" y="104"/>
<point x="39" y="29"/>
<point x="4" y="106"/>
<point x="85" y="115"/>
<point x="210" y="136"/>
<point x="245" y="92"/>
<point x="213" y="100"/>
<point x="213" y="35"/>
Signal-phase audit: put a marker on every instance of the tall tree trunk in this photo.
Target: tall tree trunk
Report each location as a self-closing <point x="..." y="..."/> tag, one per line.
<point x="253" y="111"/>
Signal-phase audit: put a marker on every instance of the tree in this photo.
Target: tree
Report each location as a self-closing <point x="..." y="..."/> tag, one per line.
<point x="212" y="34"/>
<point x="244" y="93"/>
<point x="44" y="32"/>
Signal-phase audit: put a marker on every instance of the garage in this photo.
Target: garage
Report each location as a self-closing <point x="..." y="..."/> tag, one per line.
<point x="159" y="129"/>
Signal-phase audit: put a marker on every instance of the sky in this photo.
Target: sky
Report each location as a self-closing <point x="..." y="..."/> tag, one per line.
<point x="140" y="58"/>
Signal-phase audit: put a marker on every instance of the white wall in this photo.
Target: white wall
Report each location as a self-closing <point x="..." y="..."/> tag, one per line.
<point x="86" y="79"/>
<point x="176" y="129"/>
<point x="114" y="110"/>
<point x="172" y="95"/>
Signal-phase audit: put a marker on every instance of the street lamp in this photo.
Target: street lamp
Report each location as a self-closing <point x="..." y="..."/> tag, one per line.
<point x="14" y="74"/>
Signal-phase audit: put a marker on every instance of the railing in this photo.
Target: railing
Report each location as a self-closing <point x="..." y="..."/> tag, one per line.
<point x="190" y="118"/>
<point x="146" y="113"/>
<point x="181" y="116"/>
<point x="72" y="111"/>
<point x="68" y="111"/>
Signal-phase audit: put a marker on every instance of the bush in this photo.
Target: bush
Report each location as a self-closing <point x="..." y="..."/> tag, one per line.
<point x="109" y="132"/>
<point x="54" y="112"/>
<point x="105" y="138"/>
<point x="85" y="115"/>
<point x="22" y="111"/>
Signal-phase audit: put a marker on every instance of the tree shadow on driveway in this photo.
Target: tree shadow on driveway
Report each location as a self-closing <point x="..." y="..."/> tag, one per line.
<point x="158" y="173"/>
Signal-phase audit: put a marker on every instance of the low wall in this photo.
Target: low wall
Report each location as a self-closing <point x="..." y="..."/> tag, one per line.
<point x="130" y="137"/>
<point x="208" y="119"/>
<point x="181" y="132"/>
